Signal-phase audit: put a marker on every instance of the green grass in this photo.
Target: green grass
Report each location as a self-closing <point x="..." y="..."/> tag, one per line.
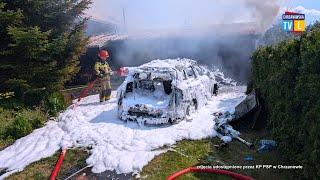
<point x="186" y="153"/>
<point x="203" y="153"/>
<point x="7" y="117"/>
<point x="165" y="164"/>
<point x="74" y="159"/>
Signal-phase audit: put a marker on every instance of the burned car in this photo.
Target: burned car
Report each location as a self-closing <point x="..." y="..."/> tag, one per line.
<point x="164" y="91"/>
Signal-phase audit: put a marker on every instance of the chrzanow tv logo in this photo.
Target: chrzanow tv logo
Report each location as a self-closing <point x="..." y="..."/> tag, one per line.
<point x="293" y="22"/>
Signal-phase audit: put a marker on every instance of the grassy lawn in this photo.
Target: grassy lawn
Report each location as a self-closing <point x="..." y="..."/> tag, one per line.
<point x="6" y="118"/>
<point x="193" y="153"/>
<point x="186" y="153"/>
<point x="74" y="160"/>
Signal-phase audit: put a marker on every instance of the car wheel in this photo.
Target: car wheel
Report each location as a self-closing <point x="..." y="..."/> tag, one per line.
<point x="172" y="121"/>
<point x="120" y="111"/>
<point x="188" y="114"/>
<point x="188" y="111"/>
<point x="212" y="91"/>
<point x="195" y="104"/>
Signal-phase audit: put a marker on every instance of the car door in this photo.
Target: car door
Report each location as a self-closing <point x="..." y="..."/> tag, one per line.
<point x="192" y="83"/>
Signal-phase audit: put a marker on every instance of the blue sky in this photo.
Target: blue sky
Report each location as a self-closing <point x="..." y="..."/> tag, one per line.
<point x="312" y="8"/>
<point x="309" y="4"/>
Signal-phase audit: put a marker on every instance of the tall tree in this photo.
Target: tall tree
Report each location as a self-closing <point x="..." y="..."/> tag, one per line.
<point x="275" y="35"/>
<point x="42" y="41"/>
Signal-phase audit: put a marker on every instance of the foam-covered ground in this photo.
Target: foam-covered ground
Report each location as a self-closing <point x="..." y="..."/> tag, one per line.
<point x="115" y="145"/>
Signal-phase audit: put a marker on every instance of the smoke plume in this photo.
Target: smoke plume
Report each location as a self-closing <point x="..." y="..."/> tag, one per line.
<point x="156" y="14"/>
<point x="214" y="32"/>
<point x="263" y="12"/>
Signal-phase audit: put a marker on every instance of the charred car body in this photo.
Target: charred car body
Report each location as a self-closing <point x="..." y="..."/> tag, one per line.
<point x="164" y="91"/>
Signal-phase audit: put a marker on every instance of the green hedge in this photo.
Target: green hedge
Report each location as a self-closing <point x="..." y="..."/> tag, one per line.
<point x="287" y="76"/>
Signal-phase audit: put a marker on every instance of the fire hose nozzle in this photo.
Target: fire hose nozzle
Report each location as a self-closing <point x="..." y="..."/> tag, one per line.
<point x="123" y="71"/>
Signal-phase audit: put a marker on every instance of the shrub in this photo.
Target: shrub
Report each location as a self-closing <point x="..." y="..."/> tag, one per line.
<point x="287" y="77"/>
<point x="6" y="118"/>
<point x="34" y="97"/>
<point x="18" y="86"/>
<point x="19" y="128"/>
<point x="11" y="103"/>
<point x="23" y="123"/>
<point x="54" y="104"/>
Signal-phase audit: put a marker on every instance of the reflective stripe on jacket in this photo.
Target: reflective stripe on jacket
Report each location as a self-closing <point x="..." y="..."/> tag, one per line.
<point x="102" y="68"/>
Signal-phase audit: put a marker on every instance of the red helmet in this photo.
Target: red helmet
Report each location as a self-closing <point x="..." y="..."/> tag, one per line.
<point x="103" y="54"/>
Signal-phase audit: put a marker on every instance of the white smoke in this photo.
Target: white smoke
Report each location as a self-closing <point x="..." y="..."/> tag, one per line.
<point x="159" y="14"/>
<point x="263" y="12"/>
<point x="204" y="30"/>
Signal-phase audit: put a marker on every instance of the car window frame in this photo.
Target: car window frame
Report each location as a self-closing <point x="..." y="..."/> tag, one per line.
<point x="193" y="73"/>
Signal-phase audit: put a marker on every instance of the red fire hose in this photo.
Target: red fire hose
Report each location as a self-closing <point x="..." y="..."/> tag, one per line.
<point x="121" y="72"/>
<point x="209" y="170"/>
<point x="57" y="167"/>
<point x="86" y="90"/>
<point x="84" y="93"/>
<point x="55" y="171"/>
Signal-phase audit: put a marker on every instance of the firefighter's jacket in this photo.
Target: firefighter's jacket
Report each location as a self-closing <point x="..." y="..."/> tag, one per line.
<point x="103" y="70"/>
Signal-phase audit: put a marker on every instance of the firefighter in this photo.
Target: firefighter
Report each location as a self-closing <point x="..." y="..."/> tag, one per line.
<point x="103" y="73"/>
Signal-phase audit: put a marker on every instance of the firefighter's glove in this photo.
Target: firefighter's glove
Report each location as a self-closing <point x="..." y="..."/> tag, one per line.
<point x="100" y="75"/>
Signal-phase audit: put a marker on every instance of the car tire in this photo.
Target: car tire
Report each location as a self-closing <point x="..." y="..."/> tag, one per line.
<point x="188" y="114"/>
<point x="172" y="121"/>
<point x="195" y="104"/>
<point x="120" y="111"/>
<point x="188" y="111"/>
<point x="212" y="91"/>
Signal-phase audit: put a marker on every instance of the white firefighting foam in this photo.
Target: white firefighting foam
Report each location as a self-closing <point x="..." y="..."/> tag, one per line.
<point x="115" y="145"/>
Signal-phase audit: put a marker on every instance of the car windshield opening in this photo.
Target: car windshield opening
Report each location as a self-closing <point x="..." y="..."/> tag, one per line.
<point x="153" y="82"/>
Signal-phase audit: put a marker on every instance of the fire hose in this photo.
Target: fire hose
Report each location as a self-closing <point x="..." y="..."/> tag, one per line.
<point x="84" y="92"/>
<point x="55" y="171"/>
<point x="121" y="72"/>
<point x="57" y="167"/>
<point x="207" y="170"/>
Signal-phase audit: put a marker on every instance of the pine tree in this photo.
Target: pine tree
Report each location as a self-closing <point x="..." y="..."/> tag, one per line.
<point x="42" y="41"/>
